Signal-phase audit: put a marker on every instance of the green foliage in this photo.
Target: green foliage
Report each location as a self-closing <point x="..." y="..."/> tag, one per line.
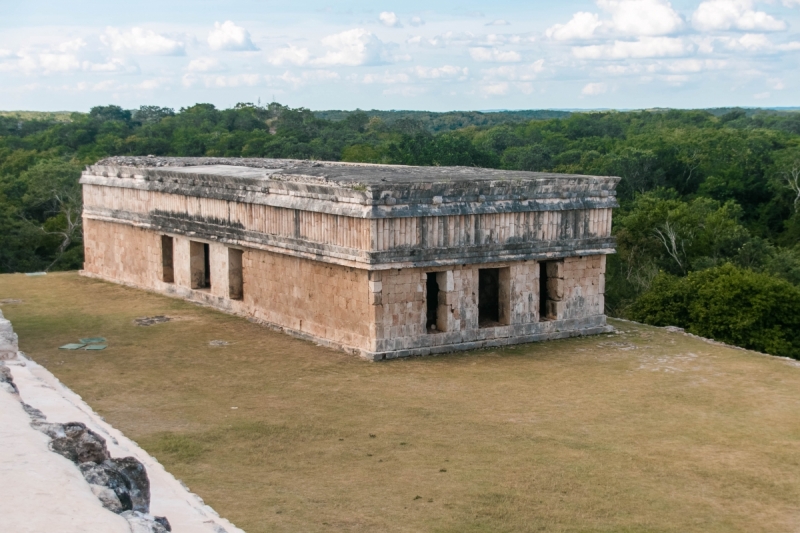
<point x="40" y="214"/>
<point x="450" y="121"/>
<point x="699" y="189"/>
<point x="533" y="157"/>
<point x="678" y="235"/>
<point x="729" y="304"/>
<point x="361" y="153"/>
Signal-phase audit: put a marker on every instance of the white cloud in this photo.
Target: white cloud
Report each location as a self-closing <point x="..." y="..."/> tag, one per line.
<point x="149" y="85"/>
<point x="675" y="79"/>
<point x="581" y="26"/>
<point x="693" y="65"/>
<point x="389" y="19"/>
<point x="515" y="72"/>
<point x="443" y="72"/>
<point x="416" y="74"/>
<point x="715" y="15"/>
<point x="72" y="46"/>
<point x="113" y="64"/>
<point x="498" y="22"/>
<point x="142" y="42"/>
<point x="387" y="78"/>
<point x="628" y="17"/>
<point x="644" y="47"/>
<point x="64" y="58"/>
<point x="494" y="89"/>
<point x="674" y="67"/>
<point x="405" y="90"/>
<point x="205" y="64"/>
<point x="751" y="41"/>
<point x="228" y="36"/>
<point x="307" y="77"/>
<point x="222" y="81"/>
<point x="238" y="80"/>
<point x="524" y="87"/>
<point x="495" y="39"/>
<point x="592" y="89"/>
<point x="502" y="88"/>
<point x="59" y="62"/>
<point x="493" y="55"/>
<point x="705" y="44"/>
<point x="290" y="55"/>
<point x="352" y="48"/>
<point x="642" y="17"/>
<point x="761" y="96"/>
<point x="417" y="21"/>
<point x="106" y="85"/>
<point x="776" y="84"/>
<point x="468" y="39"/>
<point x="758" y="42"/>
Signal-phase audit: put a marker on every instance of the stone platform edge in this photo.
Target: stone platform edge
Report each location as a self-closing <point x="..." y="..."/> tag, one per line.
<point x="34" y="385"/>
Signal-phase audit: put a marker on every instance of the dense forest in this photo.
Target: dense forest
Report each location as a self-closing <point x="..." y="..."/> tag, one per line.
<point x="708" y="230"/>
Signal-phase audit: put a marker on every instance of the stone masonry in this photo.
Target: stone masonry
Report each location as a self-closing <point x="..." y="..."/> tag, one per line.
<point x="9" y="343"/>
<point x="384" y="261"/>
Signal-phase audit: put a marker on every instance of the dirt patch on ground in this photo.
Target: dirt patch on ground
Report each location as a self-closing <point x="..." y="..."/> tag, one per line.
<point x="644" y="430"/>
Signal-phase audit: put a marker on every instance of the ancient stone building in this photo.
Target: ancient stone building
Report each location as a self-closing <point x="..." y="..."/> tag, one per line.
<point x="384" y="261"/>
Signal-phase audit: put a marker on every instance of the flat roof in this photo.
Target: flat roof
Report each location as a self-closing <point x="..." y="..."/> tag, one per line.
<point x="329" y="171"/>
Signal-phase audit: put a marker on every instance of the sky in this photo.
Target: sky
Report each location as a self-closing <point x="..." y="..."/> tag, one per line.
<point x="437" y="56"/>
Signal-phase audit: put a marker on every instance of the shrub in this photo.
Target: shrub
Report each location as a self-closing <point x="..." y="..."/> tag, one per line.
<point x="729" y="304"/>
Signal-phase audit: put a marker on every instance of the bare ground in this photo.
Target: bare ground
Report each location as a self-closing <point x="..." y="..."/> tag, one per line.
<point x="644" y="430"/>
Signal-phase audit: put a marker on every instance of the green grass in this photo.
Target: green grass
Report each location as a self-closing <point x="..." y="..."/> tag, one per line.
<point x="644" y="430"/>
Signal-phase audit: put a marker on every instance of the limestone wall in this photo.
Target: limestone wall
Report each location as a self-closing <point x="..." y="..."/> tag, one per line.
<point x="582" y="281"/>
<point x="322" y="300"/>
<point x="122" y="253"/>
<point x="375" y="312"/>
<point x="399" y="299"/>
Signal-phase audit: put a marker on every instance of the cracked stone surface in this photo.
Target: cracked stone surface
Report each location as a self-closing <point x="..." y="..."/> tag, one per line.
<point x="44" y="491"/>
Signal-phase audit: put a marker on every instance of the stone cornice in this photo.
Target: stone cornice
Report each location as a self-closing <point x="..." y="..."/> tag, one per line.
<point x="364" y="191"/>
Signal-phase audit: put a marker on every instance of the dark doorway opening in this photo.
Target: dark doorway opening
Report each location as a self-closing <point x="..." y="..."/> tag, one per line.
<point x="206" y="266"/>
<point x="197" y="264"/>
<point x="544" y="294"/>
<point x="488" y="297"/>
<point x="167" y="266"/>
<point x="235" y="277"/>
<point x="432" y="301"/>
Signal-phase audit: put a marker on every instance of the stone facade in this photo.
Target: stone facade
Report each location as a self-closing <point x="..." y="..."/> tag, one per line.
<point x="384" y="261"/>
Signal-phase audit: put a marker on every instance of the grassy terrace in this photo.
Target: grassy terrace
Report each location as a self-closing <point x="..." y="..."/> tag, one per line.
<point x="644" y="430"/>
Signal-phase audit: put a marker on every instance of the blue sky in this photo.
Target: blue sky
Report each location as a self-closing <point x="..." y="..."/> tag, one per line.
<point x="446" y="55"/>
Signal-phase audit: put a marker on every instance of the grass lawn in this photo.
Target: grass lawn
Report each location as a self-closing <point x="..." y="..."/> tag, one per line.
<point x="643" y="430"/>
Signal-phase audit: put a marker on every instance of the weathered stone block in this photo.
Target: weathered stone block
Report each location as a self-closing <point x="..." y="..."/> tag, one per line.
<point x="555" y="269"/>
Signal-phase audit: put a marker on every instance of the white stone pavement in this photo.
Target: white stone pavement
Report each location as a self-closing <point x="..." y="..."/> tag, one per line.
<point x="43" y="492"/>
